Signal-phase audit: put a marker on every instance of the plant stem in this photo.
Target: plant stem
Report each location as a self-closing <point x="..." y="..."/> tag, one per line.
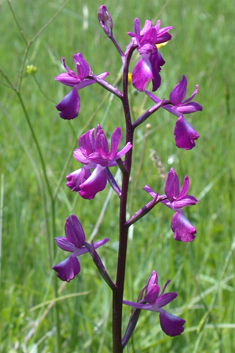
<point x="123" y="229"/>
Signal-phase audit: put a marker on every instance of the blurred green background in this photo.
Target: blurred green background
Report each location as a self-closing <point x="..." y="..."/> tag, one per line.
<point x="202" y="272"/>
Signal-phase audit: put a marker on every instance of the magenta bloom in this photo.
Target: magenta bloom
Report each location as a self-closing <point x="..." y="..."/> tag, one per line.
<point x="94" y="153"/>
<point x="170" y="324"/>
<point x="176" y="200"/>
<point x="70" y="104"/>
<point x="149" y="66"/>
<point x="184" y="133"/>
<point x="74" y="243"/>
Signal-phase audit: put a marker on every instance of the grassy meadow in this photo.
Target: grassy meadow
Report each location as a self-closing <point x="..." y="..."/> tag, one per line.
<point x="34" y="208"/>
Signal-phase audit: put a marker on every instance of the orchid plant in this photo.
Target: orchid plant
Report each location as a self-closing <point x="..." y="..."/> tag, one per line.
<point x="97" y="159"/>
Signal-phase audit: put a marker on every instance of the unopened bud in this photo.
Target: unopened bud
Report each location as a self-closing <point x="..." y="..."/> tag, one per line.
<point x="103" y="17"/>
<point x="31" y="69"/>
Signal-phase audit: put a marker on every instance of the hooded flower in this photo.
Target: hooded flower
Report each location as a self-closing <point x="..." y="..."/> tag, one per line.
<point x="176" y="200"/>
<point x="170" y="324"/>
<point x="73" y="243"/>
<point x="183" y="132"/>
<point x="94" y="153"/>
<point x="149" y="66"/>
<point x="70" y="104"/>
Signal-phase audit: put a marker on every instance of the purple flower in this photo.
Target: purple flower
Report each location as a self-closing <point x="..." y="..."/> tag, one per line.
<point x="170" y="324"/>
<point x="70" y="104"/>
<point x="149" y="66"/>
<point x="184" y="133"/>
<point x="74" y="243"/>
<point x="176" y="200"/>
<point x="94" y="153"/>
<point x="103" y="17"/>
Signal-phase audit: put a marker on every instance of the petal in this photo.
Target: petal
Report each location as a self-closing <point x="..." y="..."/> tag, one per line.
<point x="184" y="188"/>
<point x="74" y="231"/>
<point x="64" y="244"/>
<point x="101" y="145"/>
<point x="149" y="191"/>
<point x="184" y="134"/>
<point x="67" y="269"/>
<point x="182" y="228"/>
<point x="95" y="183"/>
<point x="165" y="299"/>
<point x="123" y="151"/>
<point x="179" y="91"/>
<point x="83" y="69"/>
<point x="172" y="325"/>
<point x="152" y="294"/>
<point x="69" y="106"/>
<point x="148" y="24"/>
<point x="192" y="95"/>
<point x="150" y="36"/>
<point x="86" y="142"/>
<point x="76" y="178"/>
<point x="188" y="108"/>
<point x="137" y="29"/>
<point x="184" y="202"/>
<point x="153" y="279"/>
<point x="172" y="186"/>
<point x="141" y="75"/>
<point x="153" y="97"/>
<point x="67" y="79"/>
<point x="99" y="243"/>
<point x="115" y="139"/>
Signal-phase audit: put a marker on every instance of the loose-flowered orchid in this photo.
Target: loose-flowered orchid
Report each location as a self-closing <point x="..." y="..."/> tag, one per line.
<point x="74" y="243"/>
<point x="94" y="153"/>
<point x="172" y="325"/>
<point x="176" y="200"/>
<point x="184" y="133"/>
<point x="149" y="66"/>
<point x="70" y="104"/>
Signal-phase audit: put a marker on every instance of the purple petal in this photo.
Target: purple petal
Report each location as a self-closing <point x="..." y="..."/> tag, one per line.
<point x="69" y="106"/>
<point x="172" y="186"/>
<point x="182" y="228"/>
<point x="74" y="231"/>
<point x="188" y="108"/>
<point x="166" y="298"/>
<point x="101" y="144"/>
<point x="172" y="325"/>
<point x="64" y="244"/>
<point x="95" y="183"/>
<point x="141" y="75"/>
<point x="150" y="191"/>
<point x="86" y="142"/>
<point x="99" y="243"/>
<point x="153" y="97"/>
<point x="115" y="139"/>
<point x="179" y="91"/>
<point x="184" y="202"/>
<point x="152" y="294"/>
<point x="148" y="24"/>
<point x="67" y="269"/>
<point x="67" y="79"/>
<point x="192" y="95"/>
<point x="184" y="188"/>
<point x="153" y="279"/>
<point x="123" y="151"/>
<point x="83" y="69"/>
<point x="184" y="134"/>
<point x="76" y="178"/>
<point x="150" y="36"/>
<point x="137" y="29"/>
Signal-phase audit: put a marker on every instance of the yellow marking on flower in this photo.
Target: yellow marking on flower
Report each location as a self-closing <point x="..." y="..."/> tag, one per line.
<point x="129" y="77"/>
<point x="161" y="44"/>
<point x="31" y="69"/>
